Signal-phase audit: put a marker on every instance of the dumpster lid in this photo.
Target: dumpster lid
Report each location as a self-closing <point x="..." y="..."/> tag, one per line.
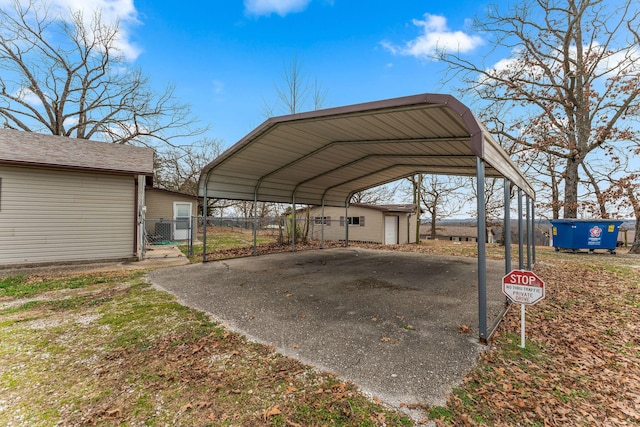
<point x="574" y="220"/>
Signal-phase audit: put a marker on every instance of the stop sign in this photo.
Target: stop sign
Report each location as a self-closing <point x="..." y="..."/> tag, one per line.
<point x="523" y="287"/>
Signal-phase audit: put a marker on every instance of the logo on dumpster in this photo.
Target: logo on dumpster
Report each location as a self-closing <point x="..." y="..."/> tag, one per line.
<point x="595" y="231"/>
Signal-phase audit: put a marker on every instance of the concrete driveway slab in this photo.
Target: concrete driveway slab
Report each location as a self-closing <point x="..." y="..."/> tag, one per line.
<point x="388" y="321"/>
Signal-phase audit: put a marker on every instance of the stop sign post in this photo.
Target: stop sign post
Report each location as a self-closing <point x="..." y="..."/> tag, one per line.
<point x="523" y="287"/>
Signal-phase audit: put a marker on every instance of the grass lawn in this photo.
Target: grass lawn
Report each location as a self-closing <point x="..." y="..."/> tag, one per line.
<point x="109" y="350"/>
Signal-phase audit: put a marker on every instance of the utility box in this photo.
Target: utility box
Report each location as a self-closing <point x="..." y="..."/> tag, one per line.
<point x="591" y="234"/>
<point x="163" y="231"/>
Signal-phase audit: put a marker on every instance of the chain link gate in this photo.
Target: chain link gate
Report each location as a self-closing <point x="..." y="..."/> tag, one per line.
<point x="168" y="238"/>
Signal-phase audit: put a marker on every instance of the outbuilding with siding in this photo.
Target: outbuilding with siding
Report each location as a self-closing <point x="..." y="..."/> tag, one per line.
<point x="385" y="224"/>
<point x="64" y="199"/>
<point x="169" y="214"/>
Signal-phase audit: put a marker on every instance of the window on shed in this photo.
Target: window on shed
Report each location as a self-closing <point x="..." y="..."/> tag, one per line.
<point x="322" y="220"/>
<point x="353" y="220"/>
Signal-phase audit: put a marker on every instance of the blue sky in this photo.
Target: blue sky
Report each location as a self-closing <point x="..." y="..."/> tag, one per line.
<point x="227" y="56"/>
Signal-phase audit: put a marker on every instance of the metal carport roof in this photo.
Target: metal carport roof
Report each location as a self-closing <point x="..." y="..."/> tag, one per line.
<point x="325" y="156"/>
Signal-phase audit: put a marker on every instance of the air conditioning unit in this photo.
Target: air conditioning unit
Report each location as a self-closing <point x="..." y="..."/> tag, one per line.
<point x="163" y="230"/>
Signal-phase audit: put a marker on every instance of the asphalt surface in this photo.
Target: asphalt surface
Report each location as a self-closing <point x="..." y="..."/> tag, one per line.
<point x="391" y="322"/>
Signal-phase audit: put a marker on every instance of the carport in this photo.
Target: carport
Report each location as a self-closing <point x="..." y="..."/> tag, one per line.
<point x="323" y="157"/>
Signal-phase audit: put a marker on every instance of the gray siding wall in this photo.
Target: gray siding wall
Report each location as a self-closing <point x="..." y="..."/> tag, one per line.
<point x="55" y="215"/>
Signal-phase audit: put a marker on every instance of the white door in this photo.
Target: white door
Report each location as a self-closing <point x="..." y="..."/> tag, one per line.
<point x="181" y="219"/>
<point x="391" y="230"/>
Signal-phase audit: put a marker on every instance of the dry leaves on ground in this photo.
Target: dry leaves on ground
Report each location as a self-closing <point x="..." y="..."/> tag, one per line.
<point x="581" y="364"/>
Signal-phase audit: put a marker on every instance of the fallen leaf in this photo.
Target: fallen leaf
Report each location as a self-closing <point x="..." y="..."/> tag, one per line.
<point x="464" y="329"/>
<point x="113" y="413"/>
<point x="291" y="389"/>
<point x="274" y="410"/>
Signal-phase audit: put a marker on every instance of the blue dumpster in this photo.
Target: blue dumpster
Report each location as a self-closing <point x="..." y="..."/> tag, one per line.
<point x="588" y="234"/>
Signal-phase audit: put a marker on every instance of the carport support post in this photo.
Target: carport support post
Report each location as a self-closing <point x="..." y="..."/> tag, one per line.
<point x="533" y="224"/>
<point x="346" y="225"/>
<point x="204" y="222"/>
<point x="322" y="225"/>
<point x="520" y="236"/>
<point x="255" y="223"/>
<point x="482" y="252"/>
<point x="507" y="226"/>
<point x="528" y="233"/>
<point x="293" y="223"/>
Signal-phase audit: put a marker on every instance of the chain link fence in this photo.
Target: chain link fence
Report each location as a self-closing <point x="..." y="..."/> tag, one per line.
<point x="166" y="238"/>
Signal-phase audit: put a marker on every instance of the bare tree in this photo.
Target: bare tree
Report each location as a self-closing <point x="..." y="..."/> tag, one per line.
<point x="626" y="192"/>
<point x="178" y="168"/>
<point x="440" y="196"/>
<point x="573" y="75"/>
<point x="493" y="201"/>
<point x="547" y="178"/>
<point x="383" y="194"/>
<point x="67" y="77"/>
<point x="296" y="93"/>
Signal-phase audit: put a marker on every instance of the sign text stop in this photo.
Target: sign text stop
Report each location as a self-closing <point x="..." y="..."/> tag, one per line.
<point x="523" y="287"/>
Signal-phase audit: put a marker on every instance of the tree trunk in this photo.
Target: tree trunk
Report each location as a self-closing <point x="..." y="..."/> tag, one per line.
<point x="433" y="225"/>
<point x="635" y="248"/>
<point x="571" y="188"/>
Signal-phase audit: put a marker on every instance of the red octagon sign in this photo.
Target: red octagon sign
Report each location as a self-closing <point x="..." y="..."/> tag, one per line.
<point x="523" y="287"/>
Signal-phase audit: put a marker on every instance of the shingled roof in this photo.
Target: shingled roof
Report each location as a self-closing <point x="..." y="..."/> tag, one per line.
<point x="34" y="149"/>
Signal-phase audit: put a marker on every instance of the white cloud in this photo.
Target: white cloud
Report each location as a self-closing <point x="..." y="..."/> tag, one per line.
<point x="122" y="12"/>
<point x="280" y="7"/>
<point x="26" y="95"/>
<point x="218" y="86"/>
<point x="435" y="36"/>
<point x="622" y="63"/>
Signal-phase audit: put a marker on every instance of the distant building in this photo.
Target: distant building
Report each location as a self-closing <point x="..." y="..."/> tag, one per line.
<point x="455" y="233"/>
<point x="385" y="224"/>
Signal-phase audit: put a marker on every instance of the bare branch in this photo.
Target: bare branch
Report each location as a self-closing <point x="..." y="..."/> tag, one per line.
<point x="67" y="77"/>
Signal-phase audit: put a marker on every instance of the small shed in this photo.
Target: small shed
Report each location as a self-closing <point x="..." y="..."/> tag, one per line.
<point x="384" y="224"/>
<point x="169" y="214"/>
<point x="64" y="199"/>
